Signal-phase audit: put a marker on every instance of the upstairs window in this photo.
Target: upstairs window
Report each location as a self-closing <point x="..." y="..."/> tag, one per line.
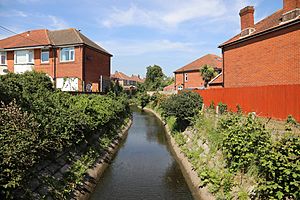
<point x="67" y="54"/>
<point x="24" y="57"/>
<point x="45" y="56"/>
<point x="3" y="58"/>
<point x="185" y="77"/>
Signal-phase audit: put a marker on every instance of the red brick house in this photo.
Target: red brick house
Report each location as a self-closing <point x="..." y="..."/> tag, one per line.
<point x="125" y="81"/>
<point x="73" y="61"/>
<point x="265" y="53"/>
<point x="189" y="76"/>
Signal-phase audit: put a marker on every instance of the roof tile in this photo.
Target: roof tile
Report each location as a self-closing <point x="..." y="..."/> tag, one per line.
<point x="209" y="59"/>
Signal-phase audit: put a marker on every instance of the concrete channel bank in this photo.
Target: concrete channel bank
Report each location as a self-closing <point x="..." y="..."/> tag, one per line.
<point x="95" y="173"/>
<point x="190" y="175"/>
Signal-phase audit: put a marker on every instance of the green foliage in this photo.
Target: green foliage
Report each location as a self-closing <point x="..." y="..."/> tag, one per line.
<point x="37" y="121"/>
<point x="290" y="123"/>
<point x="18" y="144"/>
<point x="183" y="106"/>
<point x="144" y="99"/>
<point x="245" y="141"/>
<point x="155" y="79"/>
<point x="207" y="73"/>
<point x="212" y="105"/>
<point x="280" y="170"/>
<point x="222" y="108"/>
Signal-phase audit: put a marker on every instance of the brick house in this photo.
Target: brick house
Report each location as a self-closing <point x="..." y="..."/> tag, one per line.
<point x="189" y="76"/>
<point x="74" y="62"/>
<point x="125" y="81"/>
<point x="265" y="53"/>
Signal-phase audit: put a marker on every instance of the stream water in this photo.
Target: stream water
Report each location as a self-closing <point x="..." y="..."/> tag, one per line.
<point x="143" y="168"/>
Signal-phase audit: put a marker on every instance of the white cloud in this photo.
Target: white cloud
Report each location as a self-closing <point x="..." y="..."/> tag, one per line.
<point x="167" y="14"/>
<point x="134" y="48"/>
<point x="57" y="23"/>
<point x="13" y="13"/>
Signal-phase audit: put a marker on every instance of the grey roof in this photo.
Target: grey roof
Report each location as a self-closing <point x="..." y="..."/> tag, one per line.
<point x="72" y="36"/>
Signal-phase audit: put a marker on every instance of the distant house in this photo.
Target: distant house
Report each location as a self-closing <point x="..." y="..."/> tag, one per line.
<point x="74" y="62"/>
<point x="216" y="82"/>
<point x="189" y="76"/>
<point x="265" y="53"/>
<point x="125" y="81"/>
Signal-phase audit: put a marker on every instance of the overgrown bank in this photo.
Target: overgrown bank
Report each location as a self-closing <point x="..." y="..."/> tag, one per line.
<point x="39" y="124"/>
<point x="235" y="156"/>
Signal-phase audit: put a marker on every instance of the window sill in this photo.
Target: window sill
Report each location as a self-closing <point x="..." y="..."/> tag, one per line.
<point x="23" y="63"/>
<point x="45" y="63"/>
<point x="66" y="62"/>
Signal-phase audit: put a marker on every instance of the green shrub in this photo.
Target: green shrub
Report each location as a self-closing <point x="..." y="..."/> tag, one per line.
<point x="37" y="121"/>
<point x="222" y="108"/>
<point x="19" y="141"/>
<point x="279" y="170"/>
<point x="144" y="99"/>
<point x="183" y="106"/>
<point x="245" y="141"/>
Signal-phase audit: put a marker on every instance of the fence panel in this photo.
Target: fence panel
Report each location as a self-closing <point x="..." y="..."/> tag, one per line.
<point x="268" y="101"/>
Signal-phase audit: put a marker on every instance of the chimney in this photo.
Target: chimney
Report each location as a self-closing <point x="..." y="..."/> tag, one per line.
<point x="291" y="9"/>
<point x="289" y="5"/>
<point x="247" y="20"/>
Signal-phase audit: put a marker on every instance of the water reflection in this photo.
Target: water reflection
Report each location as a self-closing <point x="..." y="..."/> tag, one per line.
<point x="143" y="168"/>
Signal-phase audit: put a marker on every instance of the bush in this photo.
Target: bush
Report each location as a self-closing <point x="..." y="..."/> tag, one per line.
<point x="222" y="108"/>
<point x="18" y="144"/>
<point x="183" y="106"/>
<point x="144" y="99"/>
<point x="280" y="170"/>
<point x="244" y="142"/>
<point x="37" y="121"/>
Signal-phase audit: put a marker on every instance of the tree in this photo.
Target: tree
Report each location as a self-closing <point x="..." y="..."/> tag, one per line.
<point x="184" y="106"/>
<point x="207" y="73"/>
<point x="154" y="78"/>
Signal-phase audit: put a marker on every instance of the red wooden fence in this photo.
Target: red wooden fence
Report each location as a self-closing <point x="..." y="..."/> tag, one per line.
<point x="268" y="101"/>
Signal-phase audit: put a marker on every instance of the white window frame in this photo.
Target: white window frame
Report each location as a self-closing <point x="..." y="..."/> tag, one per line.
<point x="70" y="49"/>
<point x="185" y="77"/>
<point x="3" y="53"/>
<point x="44" y="51"/>
<point x="28" y="52"/>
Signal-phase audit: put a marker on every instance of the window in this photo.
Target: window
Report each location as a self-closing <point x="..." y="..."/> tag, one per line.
<point x="24" y="57"/>
<point x="45" y="56"/>
<point x="3" y="58"/>
<point x="185" y="77"/>
<point x="67" y="54"/>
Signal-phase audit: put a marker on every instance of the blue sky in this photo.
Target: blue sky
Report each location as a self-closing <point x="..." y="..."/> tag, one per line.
<point x="139" y="33"/>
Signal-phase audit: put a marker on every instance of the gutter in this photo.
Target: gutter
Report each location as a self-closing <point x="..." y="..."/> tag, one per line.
<point x="25" y="48"/>
<point x="294" y="22"/>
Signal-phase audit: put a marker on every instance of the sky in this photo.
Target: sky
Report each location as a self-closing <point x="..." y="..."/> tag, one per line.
<point x="139" y="33"/>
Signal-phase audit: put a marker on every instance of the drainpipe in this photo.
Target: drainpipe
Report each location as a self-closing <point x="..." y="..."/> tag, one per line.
<point x="223" y="70"/>
<point x="183" y="81"/>
<point x="83" y="68"/>
<point x="54" y="64"/>
<point x="174" y="81"/>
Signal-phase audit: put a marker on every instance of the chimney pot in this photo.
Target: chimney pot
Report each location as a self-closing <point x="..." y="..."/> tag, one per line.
<point x="247" y="17"/>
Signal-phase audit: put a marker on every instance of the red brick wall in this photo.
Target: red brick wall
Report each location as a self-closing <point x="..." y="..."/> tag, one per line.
<point x="96" y="64"/>
<point x="43" y="67"/>
<point x="194" y="80"/>
<point x="289" y="5"/>
<point x="277" y="101"/>
<point x="273" y="59"/>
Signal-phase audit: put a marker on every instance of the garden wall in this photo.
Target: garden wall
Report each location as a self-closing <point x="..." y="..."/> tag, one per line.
<point x="267" y="101"/>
